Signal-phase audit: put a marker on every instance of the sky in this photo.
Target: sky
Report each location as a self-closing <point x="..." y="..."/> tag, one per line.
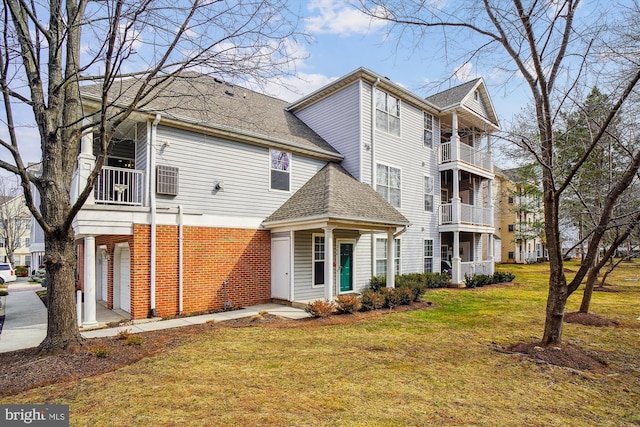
<point x="343" y="39"/>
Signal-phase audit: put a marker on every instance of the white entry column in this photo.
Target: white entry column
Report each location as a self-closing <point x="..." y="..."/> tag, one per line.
<point x="89" y="282"/>
<point x="391" y="265"/>
<point x="328" y="264"/>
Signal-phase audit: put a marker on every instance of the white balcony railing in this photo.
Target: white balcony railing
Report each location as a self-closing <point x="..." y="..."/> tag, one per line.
<point x="469" y="214"/>
<point x="119" y="186"/>
<point x="466" y="154"/>
<point x="475" y="267"/>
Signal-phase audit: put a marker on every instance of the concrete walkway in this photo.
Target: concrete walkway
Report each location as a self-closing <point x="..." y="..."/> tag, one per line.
<point x="25" y="321"/>
<point x="25" y="324"/>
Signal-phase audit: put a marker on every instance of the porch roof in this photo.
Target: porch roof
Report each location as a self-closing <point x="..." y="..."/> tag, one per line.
<point x="333" y="195"/>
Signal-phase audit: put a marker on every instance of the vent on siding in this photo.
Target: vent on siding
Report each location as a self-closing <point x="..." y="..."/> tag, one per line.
<point x="167" y="180"/>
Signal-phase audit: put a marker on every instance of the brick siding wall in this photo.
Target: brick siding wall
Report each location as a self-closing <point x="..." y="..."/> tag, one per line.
<point x="210" y="256"/>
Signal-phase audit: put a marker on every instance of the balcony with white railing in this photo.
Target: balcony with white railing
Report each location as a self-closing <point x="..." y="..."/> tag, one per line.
<point x="458" y="151"/>
<point x="119" y="186"/>
<point x="467" y="214"/>
<point x="471" y="268"/>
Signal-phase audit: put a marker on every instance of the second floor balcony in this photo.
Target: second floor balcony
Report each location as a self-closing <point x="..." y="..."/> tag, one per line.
<point x="461" y="213"/>
<point x="119" y="186"/>
<point x="458" y="151"/>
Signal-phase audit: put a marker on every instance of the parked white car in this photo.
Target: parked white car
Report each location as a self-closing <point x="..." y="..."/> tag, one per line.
<point x="7" y="273"/>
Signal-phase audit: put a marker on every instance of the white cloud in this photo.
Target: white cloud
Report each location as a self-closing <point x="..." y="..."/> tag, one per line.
<point x="338" y="17"/>
<point x="291" y="88"/>
<point x="464" y="72"/>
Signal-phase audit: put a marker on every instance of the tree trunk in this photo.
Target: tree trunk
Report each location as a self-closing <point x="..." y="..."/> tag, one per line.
<point x="556" y="302"/>
<point x="62" y="326"/>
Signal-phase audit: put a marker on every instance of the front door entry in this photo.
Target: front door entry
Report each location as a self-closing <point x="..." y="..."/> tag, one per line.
<point x="346" y="267"/>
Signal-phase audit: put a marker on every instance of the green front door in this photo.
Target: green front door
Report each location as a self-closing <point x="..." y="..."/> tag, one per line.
<point x="346" y="267"/>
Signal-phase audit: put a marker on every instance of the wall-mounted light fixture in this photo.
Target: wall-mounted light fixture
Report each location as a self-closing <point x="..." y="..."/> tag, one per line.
<point x="219" y="185"/>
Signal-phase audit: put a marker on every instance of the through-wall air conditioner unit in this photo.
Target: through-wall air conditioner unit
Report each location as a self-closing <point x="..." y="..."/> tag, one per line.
<point x="166" y="180"/>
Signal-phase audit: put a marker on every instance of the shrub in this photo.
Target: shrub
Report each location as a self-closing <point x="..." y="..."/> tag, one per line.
<point x="3" y="293"/>
<point x="320" y="308"/>
<point x="100" y="352"/>
<point x="406" y="295"/>
<point x="392" y="297"/>
<point x="478" y="280"/>
<point x="123" y="335"/>
<point x="371" y="300"/>
<point x="348" y="303"/>
<point x="436" y="280"/>
<point x="416" y="287"/>
<point x="377" y="282"/>
<point x="134" y="340"/>
<point x="503" y="277"/>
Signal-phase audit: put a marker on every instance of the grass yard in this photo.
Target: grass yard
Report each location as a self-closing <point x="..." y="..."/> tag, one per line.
<point x="416" y="368"/>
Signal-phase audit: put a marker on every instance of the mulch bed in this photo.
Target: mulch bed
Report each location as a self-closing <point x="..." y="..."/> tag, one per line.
<point x="589" y="319"/>
<point x="565" y="355"/>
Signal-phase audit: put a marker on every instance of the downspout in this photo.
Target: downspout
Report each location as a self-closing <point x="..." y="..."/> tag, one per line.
<point x="152" y="202"/>
<point x="180" y="257"/>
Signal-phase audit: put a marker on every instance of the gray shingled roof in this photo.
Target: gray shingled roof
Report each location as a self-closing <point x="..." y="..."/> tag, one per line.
<point x="206" y="101"/>
<point x="333" y="193"/>
<point x="452" y="96"/>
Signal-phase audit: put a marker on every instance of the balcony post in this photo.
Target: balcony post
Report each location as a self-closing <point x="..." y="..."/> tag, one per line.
<point x="456" y="261"/>
<point x="455" y="138"/>
<point x="455" y="200"/>
<point x="89" y="282"/>
<point x="391" y="274"/>
<point x="86" y="163"/>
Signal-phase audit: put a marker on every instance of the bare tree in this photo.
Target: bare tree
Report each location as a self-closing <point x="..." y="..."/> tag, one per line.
<point x="15" y="219"/>
<point x="557" y="51"/>
<point x="49" y="50"/>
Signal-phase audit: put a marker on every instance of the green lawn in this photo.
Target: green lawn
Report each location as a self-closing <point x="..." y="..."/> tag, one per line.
<point x="432" y="367"/>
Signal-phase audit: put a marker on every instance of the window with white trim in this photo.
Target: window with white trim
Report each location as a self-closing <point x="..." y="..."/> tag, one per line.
<point x="428" y="255"/>
<point x="388" y="184"/>
<point x="280" y="170"/>
<point x="428" y="130"/>
<point x="381" y="256"/>
<point x="428" y="193"/>
<point x="387" y="112"/>
<point x="318" y="260"/>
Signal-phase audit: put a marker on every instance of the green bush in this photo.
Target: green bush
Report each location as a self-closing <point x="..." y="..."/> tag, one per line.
<point x="478" y="280"/>
<point x="503" y="277"/>
<point x="392" y="297"/>
<point x="377" y="282"/>
<point x="100" y="352"/>
<point x="406" y="295"/>
<point x="3" y="293"/>
<point x="134" y="340"/>
<point x="436" y="280"/>
<point x="348" y="303"/>
<point x="371" y="300"/>
<point x="320" y="308"/>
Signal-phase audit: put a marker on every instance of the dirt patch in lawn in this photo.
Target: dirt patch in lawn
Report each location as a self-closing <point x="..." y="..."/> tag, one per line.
<point x="565" y="355"/>
<point x="589" y="319"/>
<point x="26" y="369"/>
